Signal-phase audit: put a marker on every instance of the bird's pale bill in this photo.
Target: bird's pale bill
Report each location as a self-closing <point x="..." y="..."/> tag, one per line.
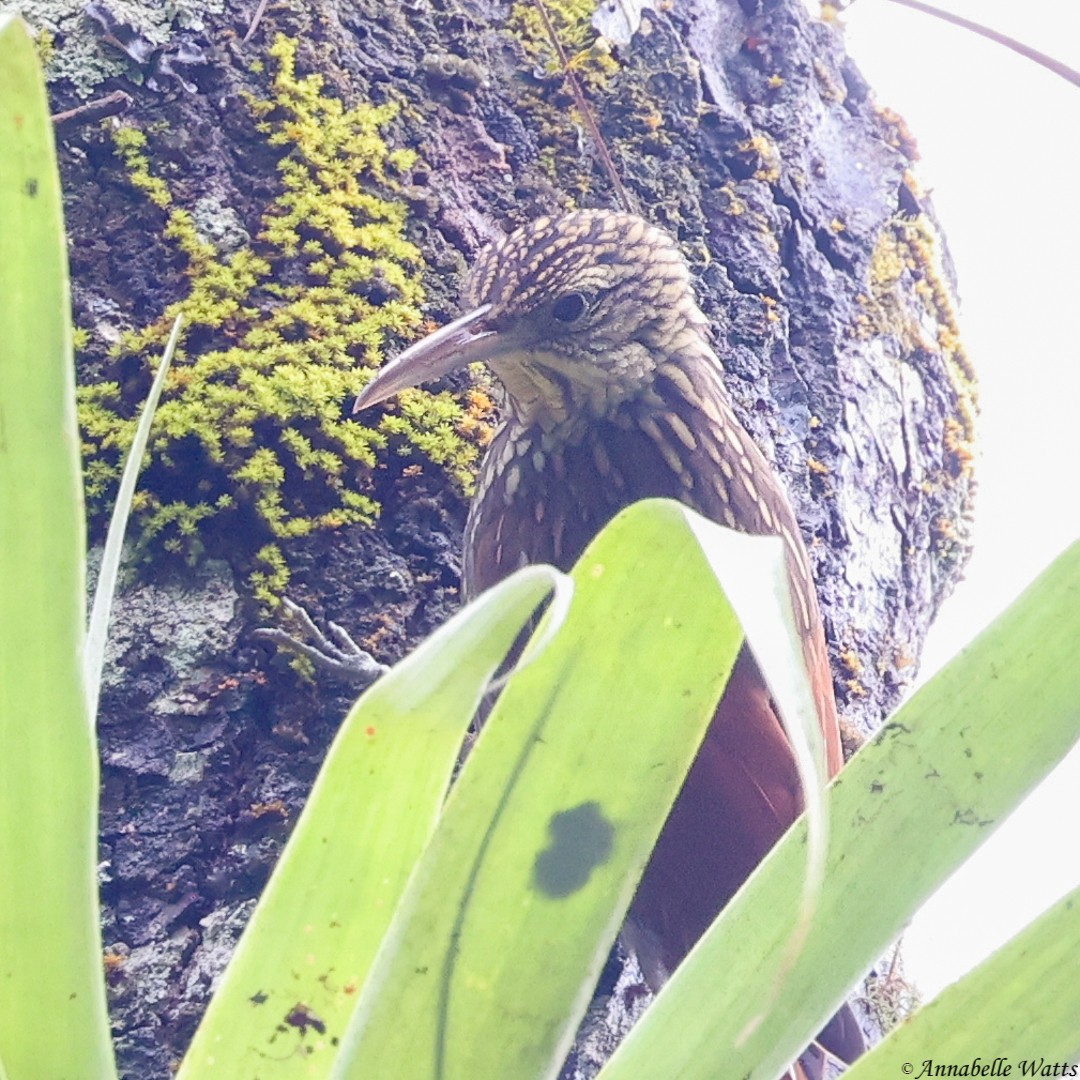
<point x="461" y="342"/>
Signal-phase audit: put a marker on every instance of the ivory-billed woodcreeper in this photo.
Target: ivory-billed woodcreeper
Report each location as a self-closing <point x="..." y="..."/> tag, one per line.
<point x="613" y="393"/>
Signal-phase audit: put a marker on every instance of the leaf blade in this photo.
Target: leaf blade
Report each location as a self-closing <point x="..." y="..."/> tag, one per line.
<point x="293" y="981"/>
<point x="504" y="893"/>
<point x="1019" y="1004"/>
<point x="907" y="809"/>
<point x="50" y="940"/>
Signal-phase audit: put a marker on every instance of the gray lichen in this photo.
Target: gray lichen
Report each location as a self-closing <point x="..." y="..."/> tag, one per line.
<point x="79" y="53"/>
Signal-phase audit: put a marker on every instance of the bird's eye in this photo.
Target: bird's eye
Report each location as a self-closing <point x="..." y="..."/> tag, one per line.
<point x="570" y="307"/>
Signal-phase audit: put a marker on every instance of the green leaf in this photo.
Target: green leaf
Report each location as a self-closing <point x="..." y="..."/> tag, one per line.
<point x="905" y="812"/>
<point x="491" y="960"/>
<point x="52" y="996"/>
<point x="1021" y="1005"/>
<point x="302" y="960"/>
<point x="97" y="631"/>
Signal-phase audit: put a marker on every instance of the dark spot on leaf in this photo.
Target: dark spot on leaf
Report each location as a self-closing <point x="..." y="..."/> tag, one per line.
<point x="581" y="839"/>
<point x="258" y="998"/>
<point x="30" y="187"/>
<point x="301" y="1017"/>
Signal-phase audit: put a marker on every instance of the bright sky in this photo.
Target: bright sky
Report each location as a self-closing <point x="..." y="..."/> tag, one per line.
<point x="1000" y="143"/>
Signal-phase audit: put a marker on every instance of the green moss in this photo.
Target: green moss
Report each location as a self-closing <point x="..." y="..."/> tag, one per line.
<point x="250" y="436"/>
<point x="268" y="583"/>
<point x="571" y="20"/>
<point x="45" y="43"/>
<point x="130" y="144"/>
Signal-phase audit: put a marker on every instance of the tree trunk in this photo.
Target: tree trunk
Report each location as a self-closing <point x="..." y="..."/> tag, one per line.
<point x="226" y="188"/>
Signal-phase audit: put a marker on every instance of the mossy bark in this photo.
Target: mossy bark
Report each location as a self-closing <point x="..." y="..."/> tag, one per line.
<point x="741" y="127"/>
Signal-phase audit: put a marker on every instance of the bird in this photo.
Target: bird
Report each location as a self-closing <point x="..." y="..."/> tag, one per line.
<point x="611" y="392"/>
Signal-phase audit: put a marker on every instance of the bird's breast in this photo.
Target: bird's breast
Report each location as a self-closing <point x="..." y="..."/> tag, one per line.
<point x="544" y="494"/>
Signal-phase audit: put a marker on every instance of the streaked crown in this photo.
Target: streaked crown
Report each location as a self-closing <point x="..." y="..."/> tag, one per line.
<point x="587" y="304"/>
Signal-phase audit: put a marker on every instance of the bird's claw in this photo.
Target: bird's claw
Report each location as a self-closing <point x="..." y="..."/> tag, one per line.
<point x="332" y="651"/>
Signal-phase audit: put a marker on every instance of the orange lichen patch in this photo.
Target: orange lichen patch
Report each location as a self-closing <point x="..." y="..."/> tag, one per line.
<point x="896" y="132"/>
<point x="906" y="263"/>
<point x="855" y="688"/>
<point x="478" y="422"/>
<point x="945" y="529"/>
<point x="850" y="659"/>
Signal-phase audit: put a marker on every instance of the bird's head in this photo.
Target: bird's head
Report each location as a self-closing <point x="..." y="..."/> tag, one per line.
<point x="572" y="313"/>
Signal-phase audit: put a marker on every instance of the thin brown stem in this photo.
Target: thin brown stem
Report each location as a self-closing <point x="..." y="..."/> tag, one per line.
<point x="1056" y="66"/>
<point x="583" y="108"/>
<point x="110" y="105"/>
<point x="255" y="20"/>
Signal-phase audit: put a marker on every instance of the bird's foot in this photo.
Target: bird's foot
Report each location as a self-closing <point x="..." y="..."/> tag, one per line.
<point x="332" y="651"/>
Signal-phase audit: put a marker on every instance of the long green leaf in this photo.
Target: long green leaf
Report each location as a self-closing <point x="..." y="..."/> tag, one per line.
<point x="98" y="628"/>
<point x="907" y="810"/>
<point x="297" y="972"/>
<point x="1020" y="1005"/>
<point x="491" y="960"/>
<point x="752" y="572"/>
<point x="53" y="1021"/>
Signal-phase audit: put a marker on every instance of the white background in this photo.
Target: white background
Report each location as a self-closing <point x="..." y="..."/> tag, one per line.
<point x="1000" y="144"/>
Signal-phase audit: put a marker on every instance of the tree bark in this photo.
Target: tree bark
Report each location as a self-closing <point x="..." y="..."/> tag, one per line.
<point x="741" y="127"/>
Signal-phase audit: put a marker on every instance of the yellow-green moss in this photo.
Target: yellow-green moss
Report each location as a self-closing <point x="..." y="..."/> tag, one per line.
<point x="571" y="20"/>
<point x="855" y="689"/>
<point x="851" y="661"/>
<point x="268" y="583"/>
<point x="130" y="145"/>
<point x="45" y="44"/>
<point x="896" y="132"/>
<point x="250" y="431"/>
<point x="891" y="997"/>
<point x="734" y="204"/>
<point x="831" y="88"/>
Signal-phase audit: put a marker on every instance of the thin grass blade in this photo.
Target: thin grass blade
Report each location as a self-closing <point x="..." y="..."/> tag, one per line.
<point x="98" y="627"/>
